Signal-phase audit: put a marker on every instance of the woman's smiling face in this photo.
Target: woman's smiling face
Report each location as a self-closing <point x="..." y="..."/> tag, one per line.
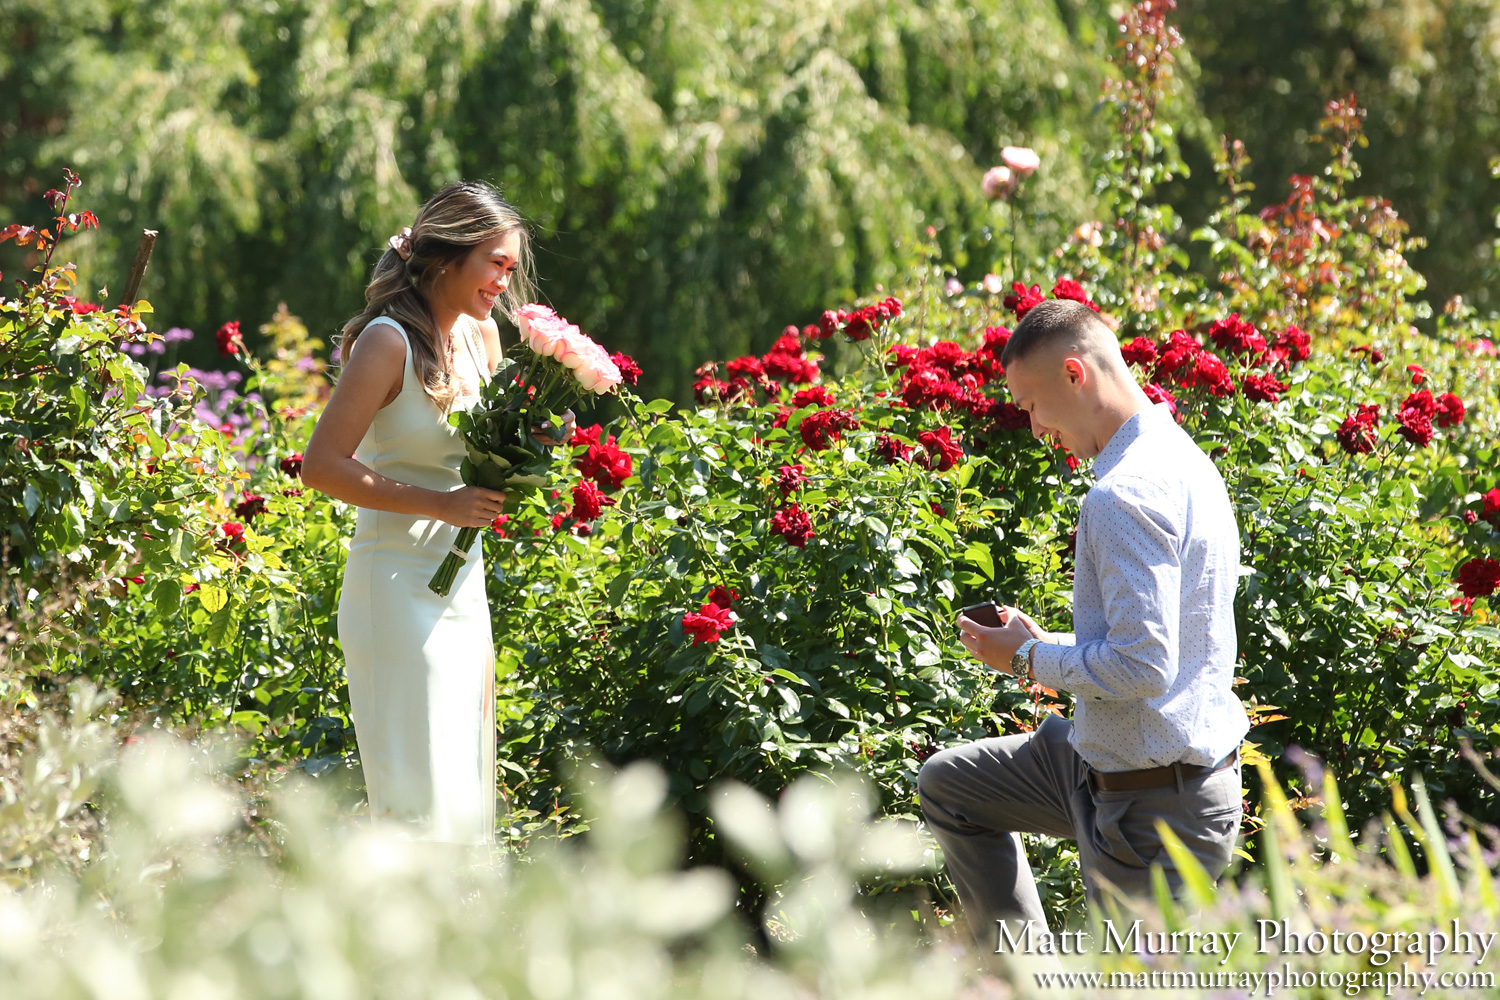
<point x="473" y="285"/>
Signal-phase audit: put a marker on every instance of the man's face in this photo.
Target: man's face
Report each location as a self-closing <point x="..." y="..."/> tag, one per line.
<point x="1050" y="388"/>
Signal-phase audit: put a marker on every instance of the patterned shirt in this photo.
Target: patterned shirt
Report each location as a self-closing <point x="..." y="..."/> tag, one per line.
<point x="1158" y="555"/>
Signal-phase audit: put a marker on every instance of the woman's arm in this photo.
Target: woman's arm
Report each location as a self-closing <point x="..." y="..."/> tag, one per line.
<point x="370" y="379"/>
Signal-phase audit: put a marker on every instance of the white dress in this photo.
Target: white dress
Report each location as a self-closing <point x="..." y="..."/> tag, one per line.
<point x="421" y="668"/>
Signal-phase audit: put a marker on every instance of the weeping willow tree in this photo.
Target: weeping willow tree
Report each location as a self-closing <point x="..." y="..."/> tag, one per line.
<point x="699" y="172"/>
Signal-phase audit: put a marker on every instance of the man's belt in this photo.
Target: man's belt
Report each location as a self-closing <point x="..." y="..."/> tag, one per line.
<point x="1156" y="777"/>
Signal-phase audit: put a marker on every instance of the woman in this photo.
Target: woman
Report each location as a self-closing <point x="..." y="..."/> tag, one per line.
<point x="421" y="667"/>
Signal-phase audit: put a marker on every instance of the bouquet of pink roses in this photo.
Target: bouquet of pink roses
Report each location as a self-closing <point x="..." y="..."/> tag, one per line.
<point x="557" y="365"/>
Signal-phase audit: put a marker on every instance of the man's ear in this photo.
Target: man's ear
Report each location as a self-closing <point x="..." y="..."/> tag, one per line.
<point x="1076" y="371"/>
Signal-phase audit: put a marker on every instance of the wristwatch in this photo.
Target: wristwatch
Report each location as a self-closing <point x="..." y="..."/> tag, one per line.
<point x="1020" y="664"/>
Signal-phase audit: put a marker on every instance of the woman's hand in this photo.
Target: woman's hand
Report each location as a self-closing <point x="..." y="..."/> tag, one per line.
<point x="471" y="507"/>
<point x="564" y="435"/>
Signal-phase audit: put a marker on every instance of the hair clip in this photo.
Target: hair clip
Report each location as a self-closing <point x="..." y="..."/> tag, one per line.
<point x="401" y="243"/>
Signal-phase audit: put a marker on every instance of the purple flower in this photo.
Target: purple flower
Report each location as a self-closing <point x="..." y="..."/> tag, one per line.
<point x="177" y="335"/>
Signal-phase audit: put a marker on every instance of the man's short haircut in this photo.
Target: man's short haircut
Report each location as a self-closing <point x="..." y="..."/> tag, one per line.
<point x="1053" y="322"/>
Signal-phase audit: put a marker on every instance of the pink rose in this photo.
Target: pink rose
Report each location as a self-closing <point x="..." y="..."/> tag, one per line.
<point x="994" y="284"/>
<point x="998" y="182"/>
<point x="572" y="347"/>
<point x="598" y="373"/>
<point x="542" y="329"/>
<point x="1021" y="160"/>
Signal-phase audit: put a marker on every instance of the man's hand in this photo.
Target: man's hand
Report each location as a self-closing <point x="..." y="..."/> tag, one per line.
<point x="995" y="647"/>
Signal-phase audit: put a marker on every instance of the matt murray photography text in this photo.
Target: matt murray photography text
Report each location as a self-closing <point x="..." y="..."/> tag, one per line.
<point x="1270" y="935"/>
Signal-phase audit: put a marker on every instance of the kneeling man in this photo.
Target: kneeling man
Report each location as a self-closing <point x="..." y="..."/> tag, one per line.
<point x="1156" y="726"/>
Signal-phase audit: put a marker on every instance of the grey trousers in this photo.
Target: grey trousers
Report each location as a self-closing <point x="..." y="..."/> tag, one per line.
<point x="979" y="798"/>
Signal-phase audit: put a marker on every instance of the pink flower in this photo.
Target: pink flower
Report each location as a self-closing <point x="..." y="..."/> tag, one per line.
<point x="953" y="287"/>
<point x="1021" y="159"/>
<point x="998" y="183"/>
<point x="542" y="329"/>
<point x="994" y="284"/>
<point x="1158" y="395"/>
<point x="596" y="372"/>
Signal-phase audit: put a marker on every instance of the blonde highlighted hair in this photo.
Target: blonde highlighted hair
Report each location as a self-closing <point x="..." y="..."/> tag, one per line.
<point x="452" y="223"/>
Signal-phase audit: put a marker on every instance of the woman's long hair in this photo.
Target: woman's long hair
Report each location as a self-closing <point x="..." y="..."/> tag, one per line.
<point x="454" y="221"/>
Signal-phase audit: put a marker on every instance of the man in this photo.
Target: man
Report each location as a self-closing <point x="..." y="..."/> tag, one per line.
<point x="1156" y="727"/>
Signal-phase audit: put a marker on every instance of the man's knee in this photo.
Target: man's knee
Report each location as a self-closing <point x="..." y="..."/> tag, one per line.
<point x="938" y="776"/>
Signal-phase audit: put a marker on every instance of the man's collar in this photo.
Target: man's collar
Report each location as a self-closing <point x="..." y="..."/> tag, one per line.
<point x="1137" y="425"/>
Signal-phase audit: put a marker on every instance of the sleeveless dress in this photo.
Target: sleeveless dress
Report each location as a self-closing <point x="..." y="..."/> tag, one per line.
<point x="421" y="668"/>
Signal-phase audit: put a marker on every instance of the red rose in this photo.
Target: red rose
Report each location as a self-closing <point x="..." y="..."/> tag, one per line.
<point x="252" y="504"/>
<point x="630" y="372"/>
<point x="942" y="449"/>
<point x="292" y="465"/>
<point x="892" y="450"/>
<point x="1263" y="388"/>
<point x="708" y="624"/>
<point x="1294" y="344"/>
<point x="1415" y="417"/>
<point x="1022" y="299"/>
<point x="723" y="597"/>
<point x="1067" y="288"/>
<point x="1009" y="417"/>
<point x="1450" y="410"/>
<point x="1418" y="374"/>
<point x="585" y="436"/>
<point x="588" y="501"/>
<point x="1357" y="433"/>
<point x="1491" y="507"/>
<point x="1210" y="373"/>
<point x="815" y="396"/>
<point x="1375" y="354"/>
<point x="1479" y="577"/>
<point x="793" y="524"/>
<point x="606" y="465"/>
<point x="1140" y="351"/>
<point x="499" y="523"/>
<point x="234" y="533"/>
<point x="790" y="478"/>
<point x="1237" y="337"/>
<point x="1177" y="352"/>
<point x="901" y="355"/>
<point x="748" y="366"/>
<point x="823" y="427"/>
<point x="229" y="339"/>
<point x="708" y="388"/>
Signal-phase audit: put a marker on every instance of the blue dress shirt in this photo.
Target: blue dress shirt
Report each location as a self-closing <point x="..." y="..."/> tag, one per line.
<point x="1151" y="666"/>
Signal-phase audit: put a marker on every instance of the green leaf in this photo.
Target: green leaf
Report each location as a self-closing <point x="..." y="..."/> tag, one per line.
<point x="980" y="556"/>
<point x="617" y="588"/>
<point x="168" y="596"/>
<point x="224" y="625"/>
<point x="657" y="406"/>
<point x="31" y="499"/>
<point x="212" y="598"/>
<point x="879" y="605"/>
<point x="178" y="547"/>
